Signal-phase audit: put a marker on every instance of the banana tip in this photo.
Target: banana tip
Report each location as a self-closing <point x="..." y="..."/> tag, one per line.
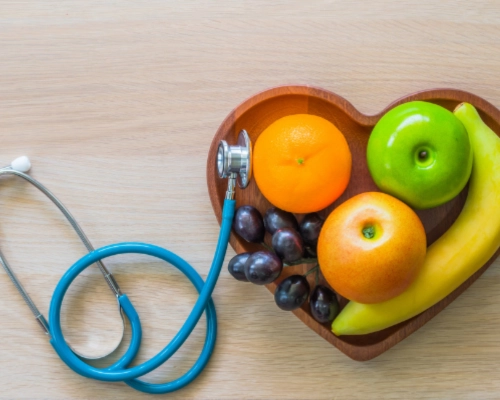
<point x="458" y="107"/>
<point x="335" y="331"/>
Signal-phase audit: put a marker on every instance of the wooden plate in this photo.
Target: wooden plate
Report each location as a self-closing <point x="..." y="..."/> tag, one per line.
<point x="258" y="112"/>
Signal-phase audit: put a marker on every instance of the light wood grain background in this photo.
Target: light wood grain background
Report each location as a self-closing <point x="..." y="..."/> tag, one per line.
<point x="116" y="103"/>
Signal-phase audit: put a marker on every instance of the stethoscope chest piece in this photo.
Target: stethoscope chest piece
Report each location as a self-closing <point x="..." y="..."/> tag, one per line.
<point x="236" y="159"/>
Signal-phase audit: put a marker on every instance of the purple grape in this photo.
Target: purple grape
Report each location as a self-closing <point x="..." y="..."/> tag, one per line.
<point x="292" y="292"/>
<point x="263" y="267"/>
<point x="324" y="304"/>
<point x="236" y="266"/>
<point x="288" y="245"/>
<point x="248" y="224"/>
<point x="310" y="227"/>
<point x="275" y="219"/>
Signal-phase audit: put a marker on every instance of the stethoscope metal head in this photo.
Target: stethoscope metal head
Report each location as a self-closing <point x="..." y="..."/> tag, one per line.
<point x="236" y="159"/>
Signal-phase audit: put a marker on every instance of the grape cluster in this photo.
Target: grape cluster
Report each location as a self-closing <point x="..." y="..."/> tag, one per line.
<point x="291" y="243"/>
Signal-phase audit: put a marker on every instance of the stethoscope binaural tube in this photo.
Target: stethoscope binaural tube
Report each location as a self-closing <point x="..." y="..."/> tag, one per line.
<point x="19" y="167"/>
<point x="118" y="371"/>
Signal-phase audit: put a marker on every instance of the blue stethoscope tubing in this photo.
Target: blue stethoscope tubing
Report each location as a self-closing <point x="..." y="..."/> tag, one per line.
<point x="119" y="371"/>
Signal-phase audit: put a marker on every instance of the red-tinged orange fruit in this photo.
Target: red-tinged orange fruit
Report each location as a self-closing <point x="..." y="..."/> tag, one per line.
<point x="371" y="247"/>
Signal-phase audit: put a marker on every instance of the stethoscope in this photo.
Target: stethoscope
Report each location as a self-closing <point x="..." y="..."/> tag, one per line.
<point x="234" y="163"/>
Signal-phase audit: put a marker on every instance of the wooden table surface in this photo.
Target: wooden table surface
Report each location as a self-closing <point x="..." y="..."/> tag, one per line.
<point x="116" y="103"/>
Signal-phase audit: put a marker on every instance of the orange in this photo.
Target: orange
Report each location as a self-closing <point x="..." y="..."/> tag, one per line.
<point x="301" y="163"/>
<point x="371" y="248"/>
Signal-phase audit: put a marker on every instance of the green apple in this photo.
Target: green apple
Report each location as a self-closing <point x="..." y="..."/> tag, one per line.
<point x="420" y="153"/>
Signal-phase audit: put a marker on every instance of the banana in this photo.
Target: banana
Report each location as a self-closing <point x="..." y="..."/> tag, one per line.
<point x="467" y="245"/>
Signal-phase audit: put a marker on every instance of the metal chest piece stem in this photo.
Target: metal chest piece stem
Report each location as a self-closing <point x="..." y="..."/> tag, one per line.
<point x="236" y="160"/>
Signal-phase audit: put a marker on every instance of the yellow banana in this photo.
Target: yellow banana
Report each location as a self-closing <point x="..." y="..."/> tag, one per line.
<point x="467" y="245"/>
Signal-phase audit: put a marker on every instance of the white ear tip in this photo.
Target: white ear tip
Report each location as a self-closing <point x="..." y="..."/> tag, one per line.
<point x="21" y="164"/>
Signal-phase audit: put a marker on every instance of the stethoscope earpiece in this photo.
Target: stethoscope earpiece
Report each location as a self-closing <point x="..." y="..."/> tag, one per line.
<point x="21" y="164"/>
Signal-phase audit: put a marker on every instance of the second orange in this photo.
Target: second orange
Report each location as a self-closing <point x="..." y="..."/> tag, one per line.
<point x="302" y="163"/>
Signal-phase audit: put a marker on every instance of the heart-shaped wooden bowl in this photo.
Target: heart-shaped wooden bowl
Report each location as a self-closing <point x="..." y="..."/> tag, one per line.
<point x="258" y="112"/>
